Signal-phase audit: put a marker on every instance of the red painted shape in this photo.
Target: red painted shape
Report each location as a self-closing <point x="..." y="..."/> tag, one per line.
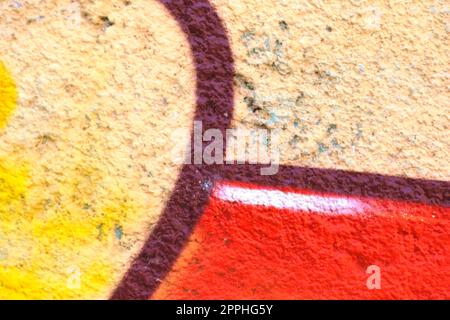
<point x="247" y="251"/>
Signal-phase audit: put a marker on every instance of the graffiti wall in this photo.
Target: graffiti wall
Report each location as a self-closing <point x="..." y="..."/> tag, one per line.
<point x="195" y="149"/>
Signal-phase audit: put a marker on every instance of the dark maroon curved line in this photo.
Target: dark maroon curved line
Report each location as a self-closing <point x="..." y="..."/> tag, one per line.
<point x="213" y="60"/>
<point x="215" y="70"/>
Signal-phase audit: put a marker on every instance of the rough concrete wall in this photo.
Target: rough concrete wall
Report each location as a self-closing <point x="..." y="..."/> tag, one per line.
<point x="357" y="85"/>
<point x="91" y="92"/>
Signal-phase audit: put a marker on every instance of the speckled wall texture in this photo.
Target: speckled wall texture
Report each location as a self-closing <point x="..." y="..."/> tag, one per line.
<point x="92" y="206"/>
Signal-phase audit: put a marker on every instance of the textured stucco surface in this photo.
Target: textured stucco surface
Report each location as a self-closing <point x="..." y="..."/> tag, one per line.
<point x="358" y="85"/>
<point x="252" y="252"/>
<point x="88" y="141"/>
<point x="85" y="158"/>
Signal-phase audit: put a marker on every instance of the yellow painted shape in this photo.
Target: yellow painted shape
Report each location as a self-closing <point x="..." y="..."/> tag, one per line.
<point x="38" y="237"/>
<point x="12" y="182"/>
<point x="87" y="165"/>
<point x="53" y="247"/>
<point x="8" y="95"/>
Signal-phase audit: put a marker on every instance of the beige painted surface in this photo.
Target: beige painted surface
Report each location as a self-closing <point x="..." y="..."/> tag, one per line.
<point x="355" y="85"/>
<point x="96" y="108"/>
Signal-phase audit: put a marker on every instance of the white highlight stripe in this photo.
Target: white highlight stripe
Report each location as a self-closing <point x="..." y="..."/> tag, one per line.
<point x="289" y="200"/>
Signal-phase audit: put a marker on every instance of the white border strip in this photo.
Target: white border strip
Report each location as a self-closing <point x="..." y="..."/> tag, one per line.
<point x="289" y="200"/>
